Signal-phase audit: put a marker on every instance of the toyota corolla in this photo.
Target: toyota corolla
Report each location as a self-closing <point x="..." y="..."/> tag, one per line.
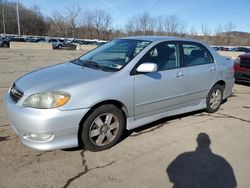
<point x="123" y="84"/>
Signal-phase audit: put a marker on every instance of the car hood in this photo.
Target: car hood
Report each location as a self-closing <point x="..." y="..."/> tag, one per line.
<point x="58" y="77"/>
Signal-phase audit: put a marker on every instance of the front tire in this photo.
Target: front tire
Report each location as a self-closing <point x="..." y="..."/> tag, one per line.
<point x="103" y="128"/>
<point x="214" y="99"/>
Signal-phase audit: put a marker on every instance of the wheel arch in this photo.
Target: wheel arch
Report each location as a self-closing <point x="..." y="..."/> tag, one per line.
<point x="116" y="103"/>
<point x="221" y="83"/>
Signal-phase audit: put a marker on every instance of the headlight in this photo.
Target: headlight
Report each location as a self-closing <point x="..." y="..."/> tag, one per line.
<point x="46" y="100"/>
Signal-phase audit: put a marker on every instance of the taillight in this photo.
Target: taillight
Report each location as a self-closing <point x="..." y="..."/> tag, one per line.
<point x="235" y="67"/>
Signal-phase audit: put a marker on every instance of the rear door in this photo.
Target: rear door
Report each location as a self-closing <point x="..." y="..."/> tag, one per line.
<point x="200" y="71"/>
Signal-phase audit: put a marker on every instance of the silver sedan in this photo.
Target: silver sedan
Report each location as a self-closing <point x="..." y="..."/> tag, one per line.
<point x="123" y="84"/>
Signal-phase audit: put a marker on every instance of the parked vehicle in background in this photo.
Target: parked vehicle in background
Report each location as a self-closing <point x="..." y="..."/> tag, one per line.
<point x="99" y="43"/>
<point x="56" y="43"/>
<point x="123" y="84"/>
<point x="1" y="39"/>
<point x="241" y="49"/>
<point x="215" y="48"/>
<point x="35" y="39"/>
<point x="60" y="43"/>
<point x="6" y="41"/>
<point x="220" y="48"/>
<point x="242" y="68"/>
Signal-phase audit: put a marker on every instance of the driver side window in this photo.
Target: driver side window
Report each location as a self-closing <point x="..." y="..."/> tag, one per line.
<point x="164" y="55"/>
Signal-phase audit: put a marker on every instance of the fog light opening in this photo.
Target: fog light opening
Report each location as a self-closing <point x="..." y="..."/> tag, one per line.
<point x="43" y="137"/>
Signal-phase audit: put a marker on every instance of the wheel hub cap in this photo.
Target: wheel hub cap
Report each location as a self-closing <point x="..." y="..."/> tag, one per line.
<point x="104" y="129"/>
<point x="215" y="99"/>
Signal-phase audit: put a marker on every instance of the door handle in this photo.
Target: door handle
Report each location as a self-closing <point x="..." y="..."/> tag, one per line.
<point x="179" y="75"/>
<point x="212" y="69"/>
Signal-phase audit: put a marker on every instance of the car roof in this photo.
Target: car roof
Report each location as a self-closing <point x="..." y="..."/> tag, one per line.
<point x="153" y="38"/>
<point x="164" y="38"/>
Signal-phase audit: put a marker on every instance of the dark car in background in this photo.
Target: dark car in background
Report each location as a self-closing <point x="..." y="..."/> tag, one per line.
<point x="6" y="42"/>
<point x="242" y="68"/>
<point x="241" y="49"/>
<point x="1" y="39"/>
<point x="35" y="39"/>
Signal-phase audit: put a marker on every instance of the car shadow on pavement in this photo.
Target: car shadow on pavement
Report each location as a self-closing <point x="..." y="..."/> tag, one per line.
<point x="201" y="168"/>
<point x="156" y="124"/>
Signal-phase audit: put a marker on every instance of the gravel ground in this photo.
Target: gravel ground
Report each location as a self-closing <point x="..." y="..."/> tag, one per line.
<point x="195" y="149"/>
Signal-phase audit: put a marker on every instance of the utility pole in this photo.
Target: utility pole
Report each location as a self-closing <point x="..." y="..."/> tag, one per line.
<point x="3" y="16"/>
<point x="18" y="19"/>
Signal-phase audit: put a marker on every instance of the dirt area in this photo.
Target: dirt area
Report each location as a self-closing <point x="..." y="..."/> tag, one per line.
<point x="156" y="155"/>
<point x="231" y="54"/>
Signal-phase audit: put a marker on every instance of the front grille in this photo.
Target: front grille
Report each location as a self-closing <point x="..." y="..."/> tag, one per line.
<point x="15" y="93"/>
<point x="245" y="63"/>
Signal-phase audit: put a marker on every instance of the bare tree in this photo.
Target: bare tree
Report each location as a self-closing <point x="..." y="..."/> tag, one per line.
<point x="58" y="25"/>
<point x="72" y="17"/>
<point x="130" y="26"/>
<point x="229" y="27"/>
<point x="32" y="21"/>
<point x="3" y="6"/>
<point x="218" y="35"/>
<point x="102" y="22"/>
<point x="205" y="32"/>
<point x="146" y="23"/>
<point x="87" y="24"/>
<point x="193" y="31"/>
<point x="160" y="25"/>
<point x="141" y="24"/>
<point x="97" y="24"/>
<point x="173" y="25"/>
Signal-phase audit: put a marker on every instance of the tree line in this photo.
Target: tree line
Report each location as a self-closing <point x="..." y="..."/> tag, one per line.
<point x="74" y="22"/>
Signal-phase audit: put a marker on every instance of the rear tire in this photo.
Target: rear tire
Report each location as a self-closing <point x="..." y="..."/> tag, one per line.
<point x="214" y="99"/>
<point x="103" y="128"/>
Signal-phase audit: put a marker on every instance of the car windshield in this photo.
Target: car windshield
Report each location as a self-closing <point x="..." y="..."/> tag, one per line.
<point x="112" y="56"/>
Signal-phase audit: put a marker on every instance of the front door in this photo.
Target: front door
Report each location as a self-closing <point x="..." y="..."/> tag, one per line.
<point x="163" y="90"/>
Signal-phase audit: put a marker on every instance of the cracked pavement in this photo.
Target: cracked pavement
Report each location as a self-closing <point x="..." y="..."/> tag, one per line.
<point x="142" y="156"/>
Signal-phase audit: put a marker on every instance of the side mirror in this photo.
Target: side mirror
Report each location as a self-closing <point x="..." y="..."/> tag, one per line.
<point x="147" y="67"/>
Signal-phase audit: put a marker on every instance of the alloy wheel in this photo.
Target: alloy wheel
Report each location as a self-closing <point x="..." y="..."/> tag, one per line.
<point x="215" y="99"/>
<point x="104" y="129"/>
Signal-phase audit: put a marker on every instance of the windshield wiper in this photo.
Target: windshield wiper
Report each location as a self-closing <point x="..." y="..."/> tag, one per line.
<point x="92" y="64"/>
<point x="86" y="63"/>
<point x="89" y="63"/>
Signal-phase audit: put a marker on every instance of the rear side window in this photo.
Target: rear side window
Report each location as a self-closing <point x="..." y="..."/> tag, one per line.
<point x="195" y="54"/>
<point x="52" y="40"/>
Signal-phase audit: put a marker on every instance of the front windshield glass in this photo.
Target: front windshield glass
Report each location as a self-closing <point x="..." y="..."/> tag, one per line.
<point x="113" y="55"/>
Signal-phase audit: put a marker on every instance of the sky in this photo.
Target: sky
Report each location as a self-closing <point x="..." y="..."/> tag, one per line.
<point x="194" y="12"/>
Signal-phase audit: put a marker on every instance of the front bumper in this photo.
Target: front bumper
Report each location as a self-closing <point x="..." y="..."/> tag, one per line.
<point x="63" y="125"/>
